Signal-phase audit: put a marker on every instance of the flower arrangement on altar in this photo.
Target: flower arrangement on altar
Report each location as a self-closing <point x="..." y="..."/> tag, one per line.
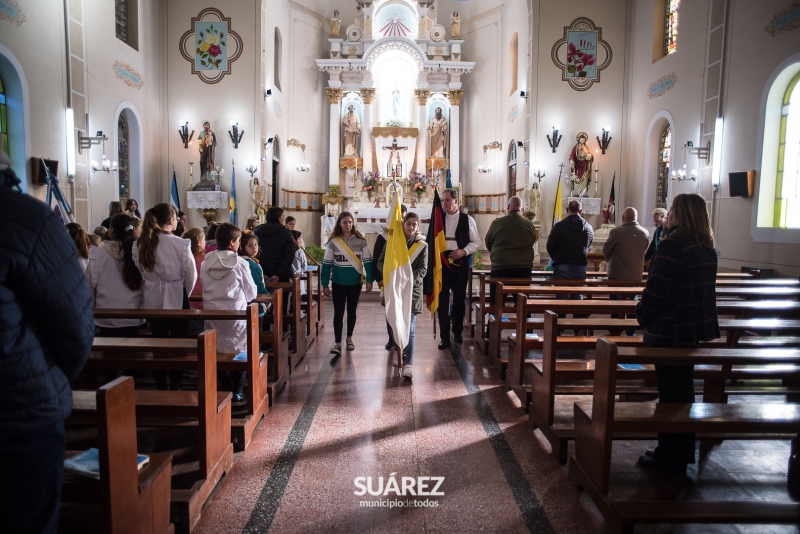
<point x="419" y="182"/>
<point x="394" y="123"/>
<point x="529" y="214"/>
<point x="217" y="173"/>
<point x="369" y="181"/>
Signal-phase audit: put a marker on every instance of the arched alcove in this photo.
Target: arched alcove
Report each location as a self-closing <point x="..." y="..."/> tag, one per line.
<point x="15" y="86"/>
<point x="511" y="184"/>
<point x="135" y="151"/>
<point x="276" y="168"/>
<point x="649" y="174"/>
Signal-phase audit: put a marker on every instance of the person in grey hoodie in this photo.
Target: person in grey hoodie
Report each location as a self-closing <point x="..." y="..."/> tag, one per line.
<point x="568" y="244"/>
<point x="228" y="285"/>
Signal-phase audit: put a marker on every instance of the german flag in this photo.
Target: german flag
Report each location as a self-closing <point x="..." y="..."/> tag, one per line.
<point x="432" y="285"/>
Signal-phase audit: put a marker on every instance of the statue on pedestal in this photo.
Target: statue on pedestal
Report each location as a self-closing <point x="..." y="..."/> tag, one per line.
<point x="437" y="129"/>
<point x="580" y="166"/>
<point x="336" y="23"/>
<point x="455" y="26"/>
<point x="257" y="196"/>
<point x="206" y="144"/>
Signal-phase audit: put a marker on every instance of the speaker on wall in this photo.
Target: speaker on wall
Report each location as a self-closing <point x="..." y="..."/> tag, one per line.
<point x="38" y="172"/>
<point x="740" y="184"/>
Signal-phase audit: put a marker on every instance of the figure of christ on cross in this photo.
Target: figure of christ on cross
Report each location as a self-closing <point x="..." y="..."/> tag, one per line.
<point x="394" y="157"/>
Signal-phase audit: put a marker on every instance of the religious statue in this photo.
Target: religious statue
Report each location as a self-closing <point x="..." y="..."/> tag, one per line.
<point x="455" y="26"/>
<point x="394" y="158"/>
<point x="207" y="144"/>
<point x="257" y="196"/>
<point x="608" y="213"/>
<point x="438" y="134"/>
<point x="535" y="200"/>
<point x="351" y="126"/>
<point x="580" y="165"/>
<point x="336" y="23"/>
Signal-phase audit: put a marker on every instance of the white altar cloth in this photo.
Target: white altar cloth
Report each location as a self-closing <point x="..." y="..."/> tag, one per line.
<point x="205" y="200"/>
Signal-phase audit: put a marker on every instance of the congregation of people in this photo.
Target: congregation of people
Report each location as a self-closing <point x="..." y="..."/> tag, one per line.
<point x="152" y="261"/>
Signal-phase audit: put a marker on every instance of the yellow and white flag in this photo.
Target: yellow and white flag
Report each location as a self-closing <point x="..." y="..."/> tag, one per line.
<point x="398" y="278"/>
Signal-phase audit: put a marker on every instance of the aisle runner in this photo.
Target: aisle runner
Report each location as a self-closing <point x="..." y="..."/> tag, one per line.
<point x="532" y="511"/>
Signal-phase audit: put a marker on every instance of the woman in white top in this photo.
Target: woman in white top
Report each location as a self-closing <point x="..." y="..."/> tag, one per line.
<point x="168" y="276"/>
<point x="114" y="278"/>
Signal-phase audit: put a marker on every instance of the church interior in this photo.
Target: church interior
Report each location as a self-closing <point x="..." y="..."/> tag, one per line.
<point x="325" y="106"/>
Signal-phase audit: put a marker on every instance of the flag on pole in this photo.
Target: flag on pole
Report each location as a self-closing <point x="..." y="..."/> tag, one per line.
<point x="234" y="211"/>
<point x="557" y="208"/>
<point x="612" y="204"/>
<point x="398" y="278"/>
<point x="432" y="284"/>
<point x="448" y="182"/>
<point x="174" y="198"/>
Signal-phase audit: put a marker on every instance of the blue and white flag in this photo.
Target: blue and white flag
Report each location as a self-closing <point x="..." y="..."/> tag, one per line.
<point x="174" y="199"/>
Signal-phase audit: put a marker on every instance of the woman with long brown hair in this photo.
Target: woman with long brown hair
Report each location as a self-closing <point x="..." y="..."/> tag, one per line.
<point x="348" y="262"/>
<point x="168" y="275"/>
<point x="679" y="309"/>
<point x="82" y="243"/>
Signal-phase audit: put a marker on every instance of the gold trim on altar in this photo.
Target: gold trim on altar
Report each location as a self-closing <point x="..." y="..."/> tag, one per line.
<point x="436" y="164"/>
<point x="351" y="163"/>
<point x="394" y="132"/>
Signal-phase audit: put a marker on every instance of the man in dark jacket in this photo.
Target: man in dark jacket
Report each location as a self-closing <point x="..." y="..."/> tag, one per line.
<point x="46" y="332"/>
<point x="568" y="244"/>
<point x="276" y="247"/>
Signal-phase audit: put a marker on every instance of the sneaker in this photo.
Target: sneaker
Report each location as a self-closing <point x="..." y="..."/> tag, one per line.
<point x="350" y="345"/>
<point x="336" y="349"/>
<point x="389" y="345"/>
<point x="406" y="372"/>
<point x="239" y="399"/>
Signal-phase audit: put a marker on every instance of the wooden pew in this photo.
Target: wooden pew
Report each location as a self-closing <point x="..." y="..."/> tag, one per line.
<point x="596" y="426"/>
<point x="273" y="333"/>
<point x="256" y="367"/>
<point x="130" y="500"/>
<point x="208" y="409"/>
<point x="296" y="319"/>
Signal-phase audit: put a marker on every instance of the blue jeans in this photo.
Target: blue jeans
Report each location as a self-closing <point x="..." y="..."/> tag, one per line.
<point x="566" y="271"/>
<point x="408" y="351"/>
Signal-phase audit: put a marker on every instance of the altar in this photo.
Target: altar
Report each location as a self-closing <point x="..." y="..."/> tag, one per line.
<point x="209" y="202"/>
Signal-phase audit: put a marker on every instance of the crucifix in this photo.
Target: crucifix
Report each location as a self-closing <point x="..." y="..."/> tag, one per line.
<point x="394" y="156"/>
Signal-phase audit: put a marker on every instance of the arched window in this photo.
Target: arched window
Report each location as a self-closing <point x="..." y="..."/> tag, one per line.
<point x="123" y="155"/>
<point x="513" y="54"/>
<point x="787" y="186"/>
<point x="3" y="118"/>
<point x="126" y="21"/>
<point x="277" y="59"/>
<point x="664" y="165"/>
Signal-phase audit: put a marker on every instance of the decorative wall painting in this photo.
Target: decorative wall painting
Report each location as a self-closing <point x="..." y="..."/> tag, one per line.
<point x="211" y="46"/>
<point x="581" y="54"/>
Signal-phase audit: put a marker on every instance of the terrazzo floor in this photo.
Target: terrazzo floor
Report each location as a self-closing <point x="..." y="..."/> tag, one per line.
<point x="342" y="424"/>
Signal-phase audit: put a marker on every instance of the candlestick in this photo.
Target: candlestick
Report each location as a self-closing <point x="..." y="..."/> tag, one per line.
<point x="190" y="153"/>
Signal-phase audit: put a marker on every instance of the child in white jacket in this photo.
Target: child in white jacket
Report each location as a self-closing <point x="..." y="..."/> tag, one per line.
<point x="228" y="285"/>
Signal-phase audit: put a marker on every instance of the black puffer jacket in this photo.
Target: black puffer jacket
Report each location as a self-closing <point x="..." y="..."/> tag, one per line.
<point x="46" y="316"/>
<point x="276" y="250"/>
<point x="569" y="241"/>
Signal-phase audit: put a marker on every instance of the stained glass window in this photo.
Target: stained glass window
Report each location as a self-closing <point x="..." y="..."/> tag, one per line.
<point x="121" y="18"/>
<point x="671" y="26"/>
<point x="123" y="144"/>
<point x="787" y="209"/>
<point x="3" y="117"/>
<point x="664" y="164"/>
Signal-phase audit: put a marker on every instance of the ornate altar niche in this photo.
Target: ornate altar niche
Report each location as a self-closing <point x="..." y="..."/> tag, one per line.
<point x="388" y="72"/>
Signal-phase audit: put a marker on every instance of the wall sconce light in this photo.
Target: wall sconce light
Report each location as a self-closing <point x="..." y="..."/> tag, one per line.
<point x="485" y="168"/>
<point x="539" y="174"/>
<point x="105" y="165"/>
<point x="183" y="131"/>
<point x="521" y="144"/>
<point x="252" y="170"/>
<point x="235" y="134"/>
<point x="606" y="140"/>
<point x="526" y="163"/>
<point x="303" y="167"/>
<point x="556" y="138"/>
<point x="523" y="94"/>
<point x="267" y="93"/>
<point x="268" y="144"/>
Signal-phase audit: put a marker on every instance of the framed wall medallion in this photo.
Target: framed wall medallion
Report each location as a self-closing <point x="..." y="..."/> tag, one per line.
<point x="211" y="46"/>
<point x="581" y="54"/>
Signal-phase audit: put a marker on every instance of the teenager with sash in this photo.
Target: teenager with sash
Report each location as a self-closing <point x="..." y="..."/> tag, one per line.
<point x="348" y="264"/>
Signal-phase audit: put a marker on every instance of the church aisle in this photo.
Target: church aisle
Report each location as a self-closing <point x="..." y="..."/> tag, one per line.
<point x="352" y="417"/>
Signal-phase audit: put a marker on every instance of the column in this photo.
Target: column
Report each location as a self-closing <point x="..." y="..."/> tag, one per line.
<point x="368" y="96"/>
<point x="422" y="96"/>
<point x="334" y="96"/>
<point x="455" y="96"/>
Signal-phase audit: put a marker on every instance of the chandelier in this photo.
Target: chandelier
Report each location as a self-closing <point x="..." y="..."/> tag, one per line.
<point x="105" y="165"/>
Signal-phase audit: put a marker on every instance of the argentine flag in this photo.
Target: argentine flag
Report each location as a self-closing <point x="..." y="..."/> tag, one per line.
<point x="173" y="197"/>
